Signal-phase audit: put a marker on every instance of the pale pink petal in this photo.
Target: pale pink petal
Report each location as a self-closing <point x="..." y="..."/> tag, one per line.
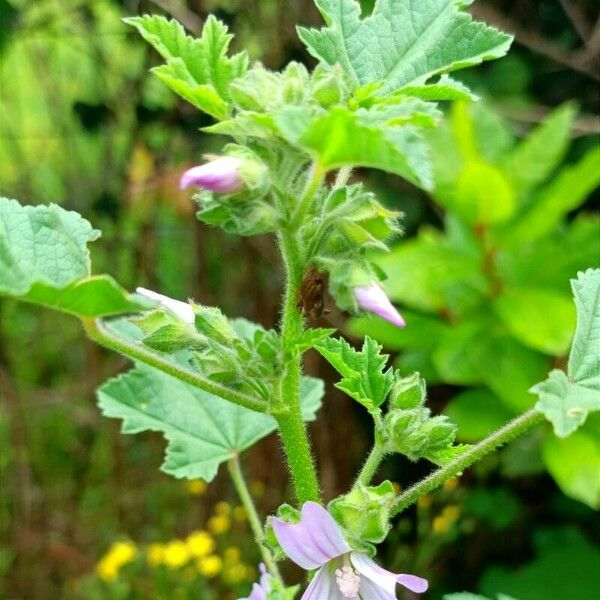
<point x="373" y="299"/>
<point x="386" y="580"/>
<point x="369" y="590"/>
<point x="220" y="175"/>
<point x="180" y="309"/>
<point x="323" y="586"/>
<point x="314" y="540"/>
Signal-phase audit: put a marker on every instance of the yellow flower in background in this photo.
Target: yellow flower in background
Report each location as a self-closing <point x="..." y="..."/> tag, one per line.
<point x="210" y="566"/>
<point x="176" y="554"/>
<point x="219" y="524"/>
<point x="222" y="508"/>
<point x="196" y="487"/>
<point x="445" y="520"/>
<point x="117" y="556"/>
<point x="424" y="501"/>
<point x="232" y="554"/>
<point x="236" y="573"/>
<point x="155" y="554"/>
<point x="257" y="488"/>
<point x="451" y="484"/>
<point x="239" y="514"/>
<point x="200" y="543"/>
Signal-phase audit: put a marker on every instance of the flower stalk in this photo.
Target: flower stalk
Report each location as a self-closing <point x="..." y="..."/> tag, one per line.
<point x="237" y="477"/>
<point x="505" y="434"/>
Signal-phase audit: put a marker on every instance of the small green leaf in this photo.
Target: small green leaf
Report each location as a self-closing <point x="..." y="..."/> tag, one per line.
<point x="310" y="337"/>
<point x="202" y="430"/>
<point x="401" y="43"/>
<point x="364" y="377"/>
<point x="541" y="319"/>
<point x="564" y="403"/>
<point x="199" y="70"/>
<point x="444" y="89"/>
<point x="387" y="139"/>
<point x="44" y="259"/>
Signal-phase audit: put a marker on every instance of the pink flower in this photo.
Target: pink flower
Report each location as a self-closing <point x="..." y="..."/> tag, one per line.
<point x="316" y="542"/>
<point x="373" y="299"/>
<point x="220" y="175"/>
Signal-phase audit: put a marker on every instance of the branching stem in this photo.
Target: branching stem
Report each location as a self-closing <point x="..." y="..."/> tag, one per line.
<point x="97" y="332"/>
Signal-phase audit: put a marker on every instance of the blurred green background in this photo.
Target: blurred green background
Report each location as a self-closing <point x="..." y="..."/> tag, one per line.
<point x="83" y="124"/>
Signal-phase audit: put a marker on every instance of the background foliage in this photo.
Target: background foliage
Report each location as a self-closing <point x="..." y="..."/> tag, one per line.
<point x="87" y="127"/>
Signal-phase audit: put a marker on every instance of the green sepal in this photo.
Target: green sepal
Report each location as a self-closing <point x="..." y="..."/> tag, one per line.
<point x="213" y="324"/>
<point x="364" y="512"/>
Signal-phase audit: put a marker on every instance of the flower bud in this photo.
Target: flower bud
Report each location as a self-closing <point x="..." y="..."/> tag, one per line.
<point x="221" y="176"/>
<point x="373" y="299"/>
<point x="180" y="309"/>
<point x="364" y="512"/>
<point x="408" y="392"/>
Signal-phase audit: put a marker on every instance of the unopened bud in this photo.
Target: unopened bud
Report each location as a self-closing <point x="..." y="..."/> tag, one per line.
<point x="221" y="176"/>
<point x="373" y="299"/>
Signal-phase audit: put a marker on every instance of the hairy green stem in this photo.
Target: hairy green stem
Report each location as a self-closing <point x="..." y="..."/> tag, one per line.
<point x="342" y="177"/>
<point x="476" y="452"/>
<point x="292" y="428"/>
<point x="371" y="464"/>
<point x="97" y="332"/>
<point x="237" y="477"/>
<point x="313" y="183"/>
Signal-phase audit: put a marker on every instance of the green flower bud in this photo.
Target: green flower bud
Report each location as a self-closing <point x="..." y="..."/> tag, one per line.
<point x="441" y="432"/>
<point x="295" y="82"/>
<point x="364" y="512"/>
<point x="212" y="323"/>
<point x="408" y="392"/>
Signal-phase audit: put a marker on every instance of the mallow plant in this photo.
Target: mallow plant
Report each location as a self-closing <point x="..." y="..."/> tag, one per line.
<point x="214" y="386"/>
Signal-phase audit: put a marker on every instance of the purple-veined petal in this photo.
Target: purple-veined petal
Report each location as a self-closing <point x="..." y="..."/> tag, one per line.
<point x="220" y="175"/>
<point x="373" y="299"/>
<point x="180" y="309"/>
<point x="323" y="586"/>
<point x="314" y="540"/>
<point x="386" y="579"/>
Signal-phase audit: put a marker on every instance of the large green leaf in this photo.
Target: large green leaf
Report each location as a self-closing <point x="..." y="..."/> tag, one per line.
<point x="44" y="259"/>
<point x="202" y="430"/>
<point x="549" y="206"/>
<point x="573" y="463"/>
<point x="564" y="403"/>
<point x="541" y="319"/>
<point x="477" y="413"/>
<point x="199" y="70"/>
<point x="584" y="360"/>
<point x="402" y="42"/>
<point x="366" y="138"/>
<point x="567" y="400"/>
<point x="530" y="163"/>
<point x="430" y="274"/>
<point x="565" y="568"/>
